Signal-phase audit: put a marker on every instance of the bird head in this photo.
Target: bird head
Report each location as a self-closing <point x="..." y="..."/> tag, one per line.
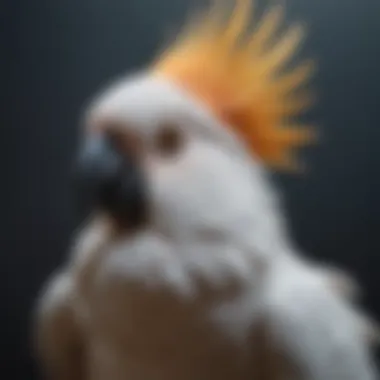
<point x="183" y="146"/>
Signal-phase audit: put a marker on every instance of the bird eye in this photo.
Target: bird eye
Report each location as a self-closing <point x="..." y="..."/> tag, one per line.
<point x="168" y="140"/>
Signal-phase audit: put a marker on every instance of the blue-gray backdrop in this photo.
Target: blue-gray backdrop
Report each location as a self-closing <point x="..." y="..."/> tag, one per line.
<point x="56" y="54"/>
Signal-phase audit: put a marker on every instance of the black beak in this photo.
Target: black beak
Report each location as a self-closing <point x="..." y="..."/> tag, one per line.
<point x="111" y="181"/>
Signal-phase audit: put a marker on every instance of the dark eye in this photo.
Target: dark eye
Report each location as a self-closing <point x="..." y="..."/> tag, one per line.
<point x="169" y="140"/>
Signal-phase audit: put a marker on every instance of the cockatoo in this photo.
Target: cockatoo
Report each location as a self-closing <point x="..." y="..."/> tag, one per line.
<point x="186" y="270"/>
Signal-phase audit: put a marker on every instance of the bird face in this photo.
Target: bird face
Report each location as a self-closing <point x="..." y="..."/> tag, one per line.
<point x="152" y="156"/>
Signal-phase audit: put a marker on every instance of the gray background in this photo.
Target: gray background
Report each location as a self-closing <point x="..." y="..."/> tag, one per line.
<point x="55" y="54"/>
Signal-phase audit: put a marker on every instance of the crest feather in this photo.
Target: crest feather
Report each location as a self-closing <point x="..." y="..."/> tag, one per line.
<point x="242" y="77"/>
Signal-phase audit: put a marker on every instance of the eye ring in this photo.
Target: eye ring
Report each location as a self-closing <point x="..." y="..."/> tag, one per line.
<point x="168" y="140"/>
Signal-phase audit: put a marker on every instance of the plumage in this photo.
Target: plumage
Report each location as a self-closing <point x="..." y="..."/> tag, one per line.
<point x="243" y="77"/>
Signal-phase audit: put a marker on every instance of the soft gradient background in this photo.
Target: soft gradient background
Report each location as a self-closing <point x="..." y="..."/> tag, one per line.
<point x="56" y="53"/>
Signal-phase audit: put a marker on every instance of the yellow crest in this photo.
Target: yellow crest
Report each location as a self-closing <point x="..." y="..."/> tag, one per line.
<point x="242" y="77"/>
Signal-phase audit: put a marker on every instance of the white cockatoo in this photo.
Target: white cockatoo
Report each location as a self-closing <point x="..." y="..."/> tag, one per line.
<point x="186" y="270"/>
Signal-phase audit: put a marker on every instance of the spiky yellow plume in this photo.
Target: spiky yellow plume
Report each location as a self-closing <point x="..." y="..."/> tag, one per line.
<point x="242" y="77"/>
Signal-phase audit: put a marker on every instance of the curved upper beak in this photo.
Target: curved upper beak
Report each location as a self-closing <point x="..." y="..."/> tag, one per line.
<point x="110" y="180"/>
